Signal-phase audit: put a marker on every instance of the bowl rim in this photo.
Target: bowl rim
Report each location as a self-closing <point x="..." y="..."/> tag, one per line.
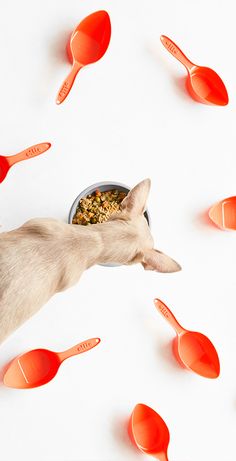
<point x="95" y="186"/>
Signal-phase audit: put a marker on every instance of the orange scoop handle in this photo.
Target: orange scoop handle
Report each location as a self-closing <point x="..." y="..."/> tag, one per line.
<point x="68" y="82"/>
<point x="165" y="311"/>
<point x="32" y="151"/>
<point x="79" y="348"/>
<point x="176" y="51"/>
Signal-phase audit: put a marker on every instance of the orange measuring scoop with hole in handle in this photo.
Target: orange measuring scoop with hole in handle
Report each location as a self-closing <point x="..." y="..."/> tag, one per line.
<point x="7" y="162"/>
<point x="193" y="350"/>
<point x="39" y="366"/>
<point x="149" y="432"/>
<point x="203" y="83"/>
<point x="88" y="43"/>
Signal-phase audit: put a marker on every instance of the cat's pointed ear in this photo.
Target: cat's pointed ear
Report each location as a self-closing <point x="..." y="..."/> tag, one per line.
<point x="135" y="202"/>
<point x="154" y="260"/>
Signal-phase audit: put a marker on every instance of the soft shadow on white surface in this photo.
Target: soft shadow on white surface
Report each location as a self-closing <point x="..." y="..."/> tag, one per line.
<point x="178" y="82"/>
<point x="205" y="221"/>
<point x="57" y="53"/>
<point x="165" y="352"/>
<point x="120" y="434"/>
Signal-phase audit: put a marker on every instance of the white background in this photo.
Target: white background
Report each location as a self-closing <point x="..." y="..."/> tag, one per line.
<point x="128" y="117"/>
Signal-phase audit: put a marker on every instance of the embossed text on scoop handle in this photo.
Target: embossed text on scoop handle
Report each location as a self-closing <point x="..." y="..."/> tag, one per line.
<point x="79" y="348"/>
<point x="68" y="82"/>
<point x="166" y="312"/>
<point x="176" y="52"/>
<point x="30" y="152"/>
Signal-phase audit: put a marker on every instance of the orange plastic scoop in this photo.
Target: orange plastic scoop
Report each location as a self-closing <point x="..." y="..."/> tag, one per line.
<point x="33" y="151"/>
<point x="223" y="213"/>
<point x="149" y="432"/>
<point x="88" y="43"/>
<point x="38" y="367"/>
<point x="203" y="83"/>
<point x="192" y="349"/>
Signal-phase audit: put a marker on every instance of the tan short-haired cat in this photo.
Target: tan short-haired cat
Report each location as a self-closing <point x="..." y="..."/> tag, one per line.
<point x="45" y="256"/>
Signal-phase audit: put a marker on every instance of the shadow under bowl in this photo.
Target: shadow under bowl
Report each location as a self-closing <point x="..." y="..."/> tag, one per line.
<point x="103" y="186"/>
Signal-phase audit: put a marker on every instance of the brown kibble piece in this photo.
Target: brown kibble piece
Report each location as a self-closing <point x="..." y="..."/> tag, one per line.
<point x="98" y="207"/>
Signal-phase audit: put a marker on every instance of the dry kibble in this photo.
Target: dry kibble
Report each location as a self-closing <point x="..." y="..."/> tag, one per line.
<point x="98" y="207"/>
